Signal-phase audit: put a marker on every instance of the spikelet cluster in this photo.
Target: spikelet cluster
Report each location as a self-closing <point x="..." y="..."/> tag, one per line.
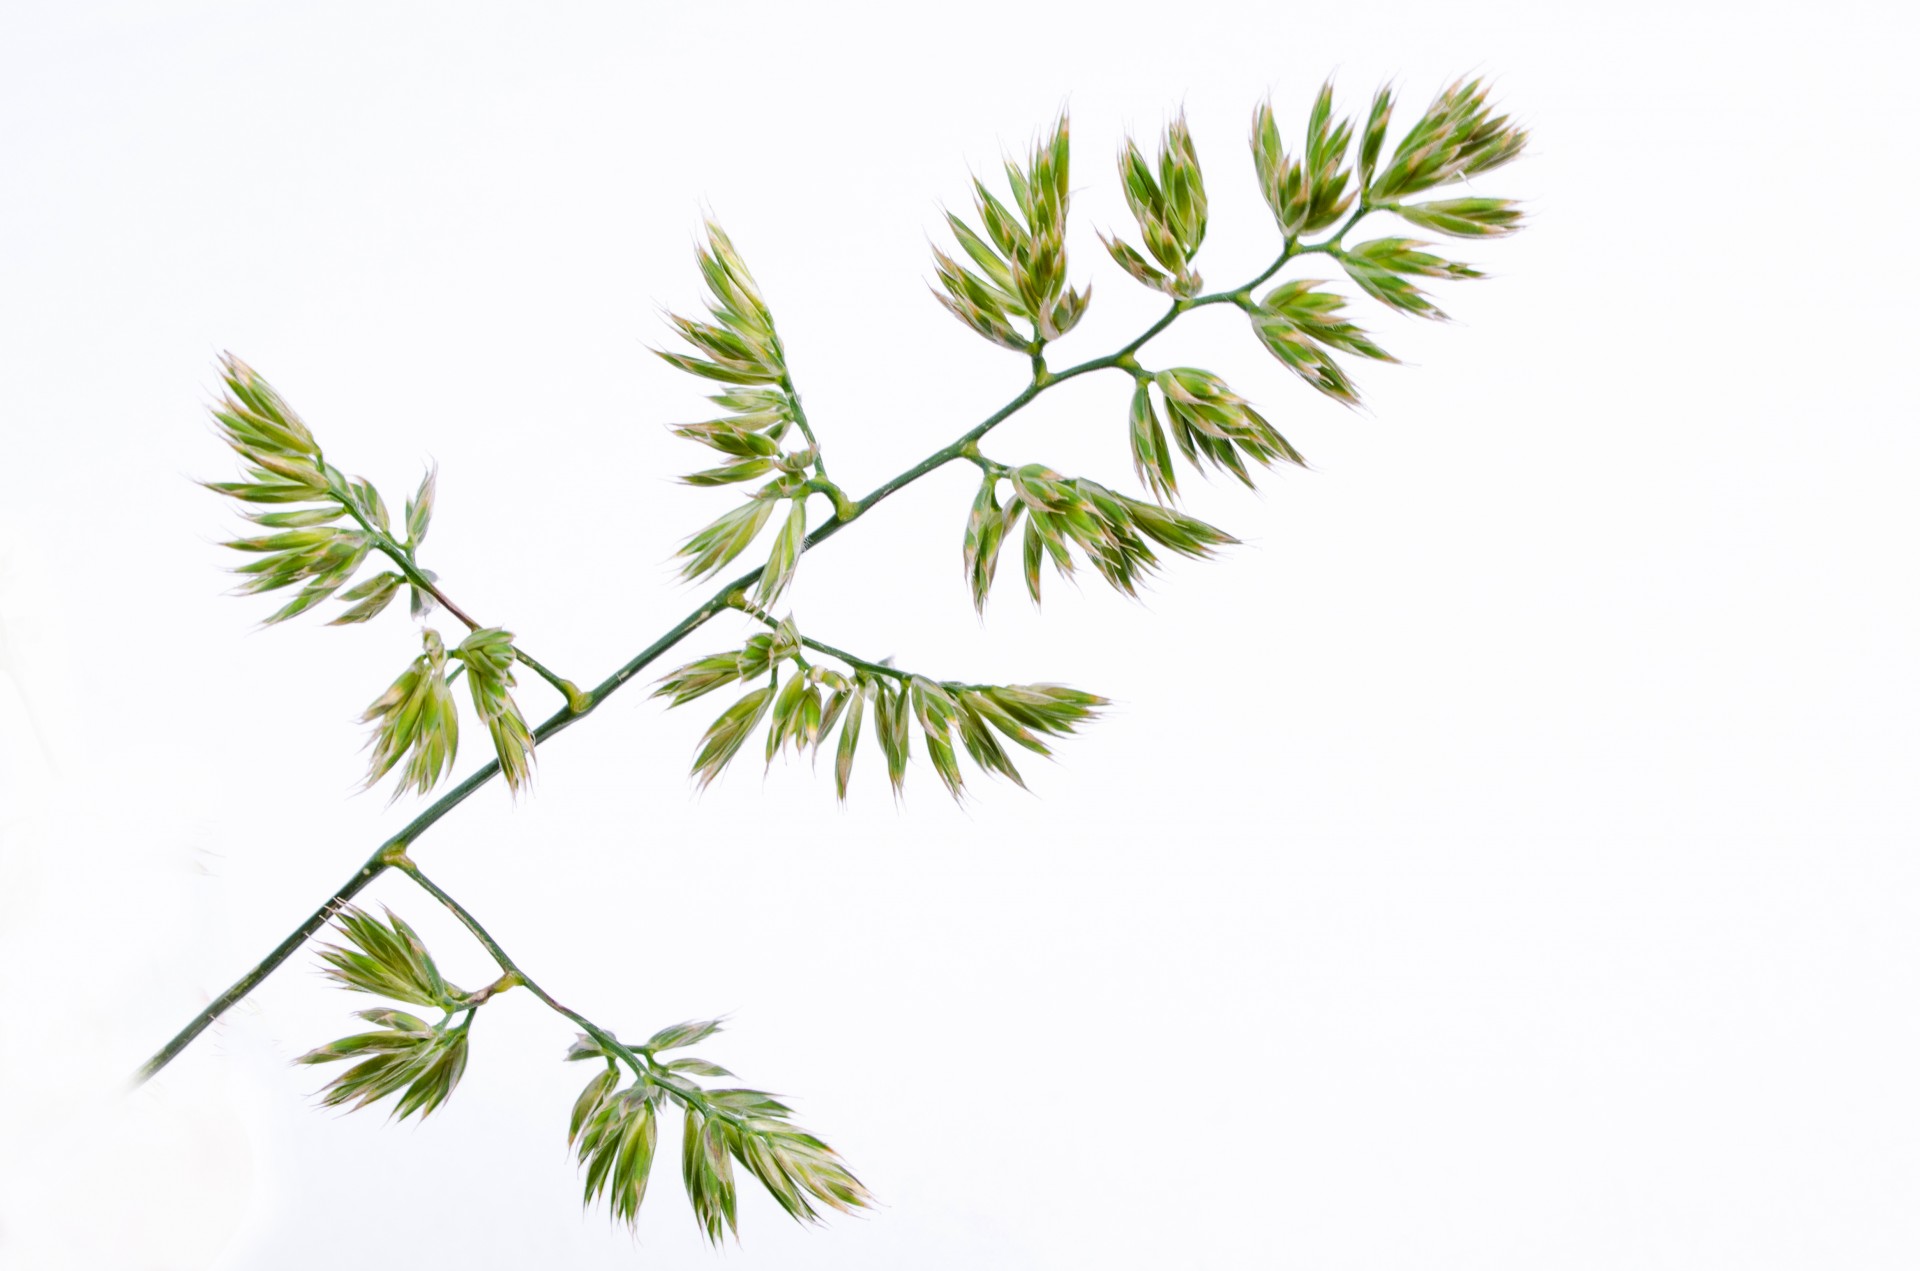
<point x="402" y="1055"/>
<point x="740" y="348"/>
<point x="802" y="711"/>
<point x="488" y="655"/>
<point x="1019" y="256"/>
<point x="614" y="1130"/>
<point x="1170" y="207"/>
<point x="415" y="720"/>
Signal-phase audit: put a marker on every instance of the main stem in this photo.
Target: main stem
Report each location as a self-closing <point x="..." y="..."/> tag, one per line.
<point x="580" y="705"/>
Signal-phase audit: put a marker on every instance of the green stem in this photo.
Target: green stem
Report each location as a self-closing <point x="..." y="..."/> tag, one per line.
<point x="480" y="997"/>
<point x="266" y="966"/>
<point x="581" y="705"/>
<point x="404" y="863"/>
<point x="806" y="429"/>
<point x="416" y="576"/>
<point x="747" y="606"/>
<point x="392" y="550"/>
<point x="370" y="869"/>
<point x="576" y="700"/>
<point x="642" y="1062"/>
<point x="1332" y="245"/>
<point x="877" y="668"/>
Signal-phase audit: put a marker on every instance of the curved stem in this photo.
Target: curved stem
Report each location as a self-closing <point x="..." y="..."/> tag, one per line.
<point x="877" y="668"/>
<point x="576" y="700"/>
<point x="642" y="1061"/>
<point x="580" y="705"/>
<point x="747" y="606"/>
<point x="1332" y="244"/>
<point x="480" y="997"/>
<point x="404" y="863"/>
<point x="393" y="551"/>
<point x="446" y="602"/>
<point x="418" y="578"/>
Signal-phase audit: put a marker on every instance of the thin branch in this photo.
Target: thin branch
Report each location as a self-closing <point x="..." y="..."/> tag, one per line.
<point x="879" y="668"/>
<point x="418" y="578"/>
<point x="576" y="700"/>
<point x="806" y="429"/>
<point x="642" y="1062"/>
<point x="392" y="550"/>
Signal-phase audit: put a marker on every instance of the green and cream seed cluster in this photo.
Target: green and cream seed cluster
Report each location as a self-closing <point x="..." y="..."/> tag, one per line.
<point x="1020" y="258"/>
<point x="1170" y="207"/>
<point x="309" y="548"/>
<point x="415" y="720"/>
<point x="803" y="709"/>
<point x="741" y="348"/>
<point x="319" y="527"/>
<point x="1115" y="533"/>
<point x="615" y="1121"/>
<point x="1015" y="293"/>
<point x="403" y="1055"/>
<point x="614" y="1125"/>
<point x="416" y="724"/>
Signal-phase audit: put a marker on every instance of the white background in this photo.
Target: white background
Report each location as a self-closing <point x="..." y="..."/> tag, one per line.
<point x="1505" y="860"/>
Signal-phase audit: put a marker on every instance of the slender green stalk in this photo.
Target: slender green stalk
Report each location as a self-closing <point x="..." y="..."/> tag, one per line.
<point x="418" y="578"/>
<point x="396" y="553"/>
<point x="401" y="861"/>
<point x="370" y="869"/>
<point x="265" y="967"/>
<point x="641" y="1061"/>
<point x="806" y="428"/>
<point x="740" y="601"/>
<point x="581" y="704"/>
<point x="480" y="997"/>
<point x="876" y="668"/>
<point x="576" y="700"/>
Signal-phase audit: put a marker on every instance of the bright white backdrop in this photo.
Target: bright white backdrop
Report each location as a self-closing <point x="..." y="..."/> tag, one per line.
<point x="1505" y="860"/>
